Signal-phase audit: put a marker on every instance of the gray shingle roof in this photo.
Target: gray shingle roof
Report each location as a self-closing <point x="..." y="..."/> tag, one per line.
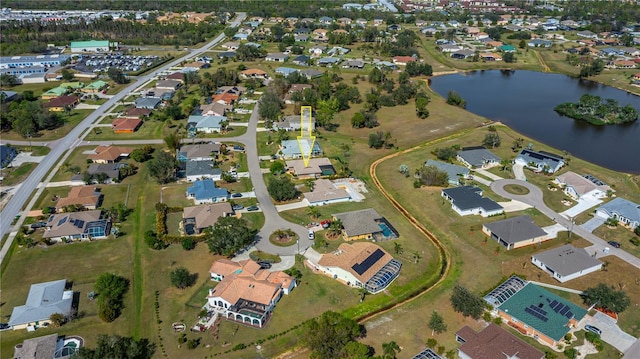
<point x="43" y="300"/>
<point x="567" y="259"/>
<point x="197" y="168"/>
<point x="453" y="171"/>
<point x="360" y="222"/>
<point x="622" y="207"/>
<point x="478" y="156"/>
<point x="516" y="229"/>
<point x="469" y="197"/>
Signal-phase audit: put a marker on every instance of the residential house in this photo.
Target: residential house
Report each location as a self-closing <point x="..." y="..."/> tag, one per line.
<point x="109" y="154"/>
<point x="293" y="149"/>
<point x="86" y="225"/>
<point x="311" y="73"/>
<point x="427" y="353"/>
<point x="198" y="218"/>
<point x="301" y="37"/>
<point x="315" y="168"/>
<point x="360" y="264"/>
<point x="463" y="54"/>
<point x="43" y="300"/>
<point x="53" y="93"/>
<point x="362" y="22"/>
<point x="301" y="60"/>
<point x="225" y="98"/>
<point x="196" y="170"/>
<point x="566" y="262"/>
<point x="126" y="125"/>
<point x="429" y="30"/>
<point x="7" y="154"/>
<point x="135" y="112"/>
<point x="286" y="71"/>
<point x="299" y="88"/>
<point x="254" y="74"/>
<point x="624" y="211"/>
<point x="587" y="34"/>
<point x="205" y="191"/>
<point x="277" y="57"/>
<point x="95" y="86"/>
<point x="206" y="124"/>
<point x="344" y="21"/>
<point x="149" y="103"/>
<point x="231" y="45"/>
<point x="215" y="109"/>
<point x="455" y="173"/>
<point x="227" y="54"/>
<point x="198" y="152"/>
<point x="241" y="36"/>
<point x="377" y="21"/>
<point x="540" y="161"/>
<point x="246" y="293"/>
<point x="394" y="27"/>
<point x="8" y="96"/>
<point x="403" y="60"/>
<point x="631" y="51"/>
<point x="365" y="224"/>
<point x="623" y="64"/>
<point x="85" y="197"/>
<point x="320" y="35"/>
<point x="198" y="65"/>
<point x="488" y="56"/>
<point x="534" y="311"/>
<point x="468" y="200"/>
<point x="110" y="170"/>
<point x="48" y="346"/>
<point x="172" y="85"/>
<point x="338" y="50"/>
<point x="582" y="187"/>
<point x="493" y="342"/>
<point x="326" y="192"/>
<point x="325" y="20"/>
<point x="328" y="61"/>
<point x="301" y="31"/>
<point x="385" y="65"/>
<point x="317" y="50"/>
<point x="516" y="232"/>
<point x="294" y="123"/>
<point x="507" y="48"/>
<point x="494" y="44"/>
<point x="353" y="64"/>
<point x="478" y="157"/>
<point x="539" y="43"/>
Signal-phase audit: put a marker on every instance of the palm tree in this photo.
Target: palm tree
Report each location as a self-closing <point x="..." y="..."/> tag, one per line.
<point x="313" y="212"/>
<point x="397" y="248"/>
<point x="390" y="349"/>
<point x="362" y="291"/>
<point x="336" y="227"/>
<point x="416" y="257"/>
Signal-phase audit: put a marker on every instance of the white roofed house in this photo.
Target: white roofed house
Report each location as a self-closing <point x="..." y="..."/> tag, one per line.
<point x="292" y="149"/>
<point x="294" y="123"/>
<point x="326" y="192"/>
<point x="206" y="124"/>
<point x="246" y="293"/>
<point x="44" y="299"/>
<point x="626" y="212"/>
<point x="566" y="262"/>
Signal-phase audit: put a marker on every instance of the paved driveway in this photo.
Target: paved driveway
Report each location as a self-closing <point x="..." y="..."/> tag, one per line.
<point x="611" y="333"/>
<point x="593" y="223"/>
<point x="583" y="205"/>
<point x="518" y="172"/>
<point x="24" y="157"/>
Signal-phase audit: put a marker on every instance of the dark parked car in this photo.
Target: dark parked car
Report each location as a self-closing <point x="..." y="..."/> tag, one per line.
<point x="264" y="265"/>
<point x="237" y="207"/>
<point x="4" y="326"/>
<point x="236" y="195"/>
<point x="252" y="208"/>
<point x="593" y="329"/>
<point x="614" y="244"/>
<point x="238" y="148"/>
<point x="38" y="225"/>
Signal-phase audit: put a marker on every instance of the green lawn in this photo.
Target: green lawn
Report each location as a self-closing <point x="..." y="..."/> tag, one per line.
<point x="14" y="176"/>
<point x="150" y="129"/>
<point x="70" y="121"/>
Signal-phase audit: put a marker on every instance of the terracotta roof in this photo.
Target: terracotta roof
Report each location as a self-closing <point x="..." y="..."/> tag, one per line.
<point x="196" y="64"/>
<point x="109" y="153"/>
<point x="246" y="280"/>
<point x="138" y="112"/>
<point x="83" y="195"/>
<point x="403" y="59"/>
<point x="349" y="255"/>
<point x="494" y="342"/>
<point x="178" y="76"/>
<point x="253" y="72"/>
<point x="62" y="101"/>
<point x="122" y="124"/>
<point x="226" y="97"/>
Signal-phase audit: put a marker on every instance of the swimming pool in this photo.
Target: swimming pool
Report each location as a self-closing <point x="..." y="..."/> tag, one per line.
<point x="386" y="231"/>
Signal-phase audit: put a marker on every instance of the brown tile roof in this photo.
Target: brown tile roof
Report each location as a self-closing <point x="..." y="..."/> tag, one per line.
<point x="253" y="72"/>
<point x="349" y="255"/>
<point x="138" y="112"/>
<point x="178" y="76"/>
<point x="196" y="64"/>
<point x="83" y="195"/>
<point x="245" y="280"/>
<point x="126" y="124"/>
<point x="109" y="153"/>
<point x="494" y="342"/>
<point x="226" y="97"/>
<point x="57" y="227"/>
<point x="207" y="215"/>
<point x="298" y="167"/>
<point x="215" y="108"/>
<point x="403" y="59"/>
<point x="62" y="101"/>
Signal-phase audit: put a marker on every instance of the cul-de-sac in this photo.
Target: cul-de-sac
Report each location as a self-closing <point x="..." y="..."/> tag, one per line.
<point x="324" y="179"/>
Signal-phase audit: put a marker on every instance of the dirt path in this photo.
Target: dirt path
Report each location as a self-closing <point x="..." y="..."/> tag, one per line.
<point x="545" y="68"/>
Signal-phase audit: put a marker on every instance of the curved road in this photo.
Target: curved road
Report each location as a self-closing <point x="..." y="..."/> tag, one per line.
<point x="72" y="139"/>
<point x="534" y="198"/>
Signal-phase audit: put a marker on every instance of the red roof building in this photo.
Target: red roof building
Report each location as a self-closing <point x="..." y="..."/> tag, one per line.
<point x="126" y="125"/>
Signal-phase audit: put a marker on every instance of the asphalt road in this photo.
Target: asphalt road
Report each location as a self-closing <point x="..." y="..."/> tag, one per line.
<point x="534" y="198"/>
<point x="72" y="140"/>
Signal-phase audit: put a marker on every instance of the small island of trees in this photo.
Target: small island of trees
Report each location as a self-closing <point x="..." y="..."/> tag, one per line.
<point x="597" y="111"/>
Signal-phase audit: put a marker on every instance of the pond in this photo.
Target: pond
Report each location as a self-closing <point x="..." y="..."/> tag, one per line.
<point x="524" y="101"/>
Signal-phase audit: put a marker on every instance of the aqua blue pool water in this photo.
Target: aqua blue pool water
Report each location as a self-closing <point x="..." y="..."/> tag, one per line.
<point x="385" y="230"/>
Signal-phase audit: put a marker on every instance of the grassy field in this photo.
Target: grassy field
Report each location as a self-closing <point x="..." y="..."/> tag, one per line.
<point x="70" y="121"/>
<point x="150" y="129"/>
<point x="16" y="175"/>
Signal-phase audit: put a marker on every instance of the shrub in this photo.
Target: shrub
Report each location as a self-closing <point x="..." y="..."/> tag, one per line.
<point x="188" y="244"/>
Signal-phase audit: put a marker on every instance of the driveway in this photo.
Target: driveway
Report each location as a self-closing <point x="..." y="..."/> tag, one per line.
<point x="611" y="333"/>
<point x="583" y="205"/>
<point x="513" y="205"/>
<point x="593" y="223"/>
<point x="518" y="172"/>
<point x="289" y="206"/>
<point x="24" y="157"/>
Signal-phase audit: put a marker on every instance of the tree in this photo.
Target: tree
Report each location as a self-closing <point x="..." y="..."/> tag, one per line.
<point x="390" y="350"/>
<point x="376" y="139"/>
<point x="270" y="105"/>
<point x="328" y="336"/>
<point x="404" y="169"/>
<point x="152" y="240"/>
<point x="57" y="320"/>
<point x="606" y="297"/>
<point x="447" y="154"/>
<point x="277" y="168"/>
<point x="162" y="167"/>
<point x="281" y="188"/>
<point x="111" y="289"/>
<point x="421" y="107"/>
<point x="67" y="75"/>
<point x="313" y="212"/>
<point x="181" y="278"/>
<point x="229" y="235"/>
<point x="172" y="141"/>
<point x="432" y="176"/>
<point x="117" y="75"/>
<point x="8" y="80"/>
<point x="115" y="346"/>
<point x="142" y="154"/>
<point x="437" y="324"/>
<point x="397" y="248"/>
<point x="491" y="139"/>
<point x="188" y="244"/>
<point x="325" y="110"/>
<point x="453" y="98"/>
<point x="509" y="57"/>
<point x="522" y="44"/>
<point x="358" y="120"/>
<point x="466" y="302"/>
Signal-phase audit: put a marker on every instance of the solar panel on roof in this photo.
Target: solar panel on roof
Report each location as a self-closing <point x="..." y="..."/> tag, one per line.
<point x="564" y="310"/>
<point x="62" y="220"/>
<point x="360" y="268"/>
<point x="553" y="304"/>
<point x="558" y="307"/>
<point x="79" y="223"/>
<point x="569" y="314"/>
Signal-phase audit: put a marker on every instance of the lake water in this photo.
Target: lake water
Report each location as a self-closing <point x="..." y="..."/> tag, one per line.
<point x="524" y="100"/>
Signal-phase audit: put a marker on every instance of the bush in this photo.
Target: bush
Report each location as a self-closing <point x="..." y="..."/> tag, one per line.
<point x="181" y="278"/>
<point x="188" y="244"/>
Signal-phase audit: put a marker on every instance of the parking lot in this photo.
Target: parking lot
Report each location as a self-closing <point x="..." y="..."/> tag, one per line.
<point x="126" y="63"/>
